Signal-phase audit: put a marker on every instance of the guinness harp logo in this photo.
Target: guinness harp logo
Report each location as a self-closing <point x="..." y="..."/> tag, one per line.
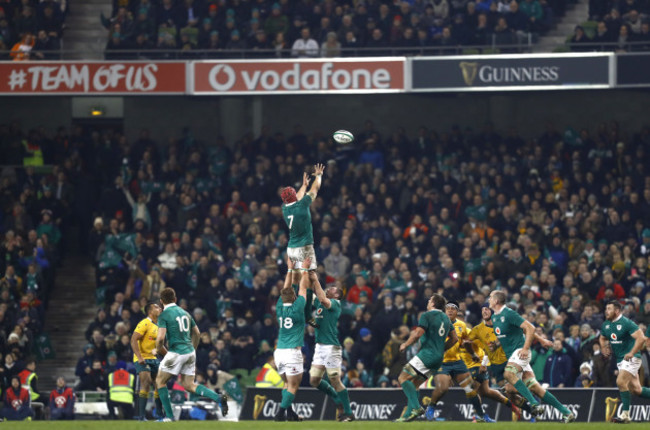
<point x="469" y="72"/>
<point x="258" y="405"/>
<point x="610" y="408"/>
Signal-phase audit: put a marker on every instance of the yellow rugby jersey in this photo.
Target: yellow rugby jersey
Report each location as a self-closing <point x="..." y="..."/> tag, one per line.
<point x="467" y="356"/>
<point x="147" y="343"/>
<point x="485" y="335"/>
<point x="453" y="353"/>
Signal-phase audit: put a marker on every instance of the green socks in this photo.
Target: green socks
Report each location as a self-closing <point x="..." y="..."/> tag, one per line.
<point x="524" y="391"/>
<point x="143" y="396"/>
<point x="345" y="401"/>
<point x="625" y="400"/>
<point x="159" y="406"/>
<point x="327" y="388"/>
<point x="551" y="400"/>
<point x="204" y="391"/>
<point x="411" y="395"/>
<point x="166" y="402"/>
<point x="287" y="399"/>
<point x="645" y="393"/>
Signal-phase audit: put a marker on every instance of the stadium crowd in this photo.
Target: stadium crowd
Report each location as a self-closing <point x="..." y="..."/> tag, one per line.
<point x="31" y="29"/>
<point x="561" y="222"/>
<point x="305" y="28"/>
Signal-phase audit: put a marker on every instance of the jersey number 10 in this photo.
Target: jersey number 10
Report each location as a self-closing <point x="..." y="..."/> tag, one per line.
<point x="183" y="323"/>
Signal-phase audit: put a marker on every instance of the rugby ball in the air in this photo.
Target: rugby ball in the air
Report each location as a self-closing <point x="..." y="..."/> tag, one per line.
<point x="342" y="137"/>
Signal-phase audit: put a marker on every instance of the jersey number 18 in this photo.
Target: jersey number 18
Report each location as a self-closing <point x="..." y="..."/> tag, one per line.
<point x="285" y="323"/>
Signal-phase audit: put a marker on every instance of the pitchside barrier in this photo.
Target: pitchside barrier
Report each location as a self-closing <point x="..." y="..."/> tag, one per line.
<point x="386" y="404"/>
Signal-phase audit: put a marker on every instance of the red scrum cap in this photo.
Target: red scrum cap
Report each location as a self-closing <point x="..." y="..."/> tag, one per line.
<point x="288" y="195"/>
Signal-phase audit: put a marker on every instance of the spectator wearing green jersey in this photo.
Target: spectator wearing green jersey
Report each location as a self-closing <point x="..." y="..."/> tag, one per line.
<point x="622" y="337"/>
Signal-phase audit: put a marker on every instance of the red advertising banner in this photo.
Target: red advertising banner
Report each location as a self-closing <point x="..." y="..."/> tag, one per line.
<point x="299" y="76"/>
<point x="92" y="78"/>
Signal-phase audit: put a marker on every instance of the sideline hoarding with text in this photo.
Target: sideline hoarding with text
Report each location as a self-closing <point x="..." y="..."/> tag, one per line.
<point x="317" y="76"/>
<point x="511" y="72"/>
<point x="92" y="78"/>
<point x="387" y="404"/>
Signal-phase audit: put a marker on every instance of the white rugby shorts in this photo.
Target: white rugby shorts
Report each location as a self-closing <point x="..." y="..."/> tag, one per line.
<point x="418" y="365"/>
<point x="631" y="366"/>
<point x="289" y="361"/>
<point x="298" y="255"/>
<point x="524" y="364"/>
<point x="179" y="364"/>
<point x="330" y="356"/>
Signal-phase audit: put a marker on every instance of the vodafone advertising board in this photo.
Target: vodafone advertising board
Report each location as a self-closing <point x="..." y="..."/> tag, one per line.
<point x="299" y="76"/>
<point x="43" y="78"/>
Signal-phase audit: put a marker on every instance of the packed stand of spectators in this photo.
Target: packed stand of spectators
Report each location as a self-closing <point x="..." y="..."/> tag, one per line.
<point x="306" y="28"/>
<point x="31" y="29"/>
<point x="562" y="222"/>
<point x="36" y="204"/>
<point x="620" y="26"/>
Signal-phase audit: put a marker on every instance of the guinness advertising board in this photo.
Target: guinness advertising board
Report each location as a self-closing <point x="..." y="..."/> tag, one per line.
<point x="511" y="72"/>
<point x="264" y="403"/>
<point x="607" y="405"/>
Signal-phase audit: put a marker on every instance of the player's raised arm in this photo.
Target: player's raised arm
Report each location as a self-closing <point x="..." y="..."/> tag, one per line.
<point x="315" y="186"/>
<point x="318" y="289"/>
<point x="288" y="279"/>
<point x="303" y="188"/>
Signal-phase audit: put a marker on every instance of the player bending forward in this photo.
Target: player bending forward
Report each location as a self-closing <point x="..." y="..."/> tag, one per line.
<point x="438" y="335"/>
<point x="180" y="357"/>
<point x="328" y="354"/>
<point x="626" y="340"/>
<point x="516" y="336"/>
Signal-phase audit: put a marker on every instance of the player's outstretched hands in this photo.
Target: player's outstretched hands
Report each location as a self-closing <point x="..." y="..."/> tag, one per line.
<point x="305" y="179"/>
<point x="290" y="264"/>
<point x="319" y="169"/>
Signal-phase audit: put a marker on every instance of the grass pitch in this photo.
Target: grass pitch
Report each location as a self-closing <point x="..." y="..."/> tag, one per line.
<point x="305" y="425"/>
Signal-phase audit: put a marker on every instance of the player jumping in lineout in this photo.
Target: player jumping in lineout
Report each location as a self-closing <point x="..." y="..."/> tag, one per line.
<point x="516" y="336"/>
<point x="625" y="340"/>
<point x="180" y="357"/>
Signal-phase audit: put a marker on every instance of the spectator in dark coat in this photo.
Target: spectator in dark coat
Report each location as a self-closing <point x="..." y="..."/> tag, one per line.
<point x="558" y="367"/>
<point x="365" y="349"/>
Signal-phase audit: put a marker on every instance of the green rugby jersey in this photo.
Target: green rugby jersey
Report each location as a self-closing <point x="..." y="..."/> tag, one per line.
<point x="507" y="328"/>
<point x="179" y="325"/>
<point x="436" y="325"/>
<point x="291" y="319"/>
<point x="327" y="332"/>
<point x="619" y="334"/>
<point x="298" y="218"/>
